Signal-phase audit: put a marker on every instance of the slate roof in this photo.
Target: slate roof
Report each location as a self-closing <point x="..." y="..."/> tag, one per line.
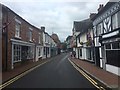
<point x="68" y="38"/>
<point x="82" y="26"/>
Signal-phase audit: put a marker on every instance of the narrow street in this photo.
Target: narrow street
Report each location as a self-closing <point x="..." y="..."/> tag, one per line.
<point x="58" y="73"/>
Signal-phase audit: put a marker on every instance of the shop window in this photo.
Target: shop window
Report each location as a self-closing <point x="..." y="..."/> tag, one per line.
<point x="112" y="57"/>
<point x="116" y="45"/>
<point x="30" y="53"/>
<point x="108" y="46"/>
<point x="17" y="53"/>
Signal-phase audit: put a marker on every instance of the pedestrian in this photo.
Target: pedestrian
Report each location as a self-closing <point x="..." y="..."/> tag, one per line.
<point x="71" y="54"/>
<point x="74" y="54"/>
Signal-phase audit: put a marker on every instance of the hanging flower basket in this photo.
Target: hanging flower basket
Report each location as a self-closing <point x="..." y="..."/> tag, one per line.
<point x="81" y="43"/>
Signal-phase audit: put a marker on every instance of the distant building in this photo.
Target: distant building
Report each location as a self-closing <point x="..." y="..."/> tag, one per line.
<point x="49" y="45"/>
<point x="56" y="39"/>
<point x="68" y="42"/>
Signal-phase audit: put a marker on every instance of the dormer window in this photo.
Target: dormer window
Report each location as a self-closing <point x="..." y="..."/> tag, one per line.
<point x="17" y="28"/>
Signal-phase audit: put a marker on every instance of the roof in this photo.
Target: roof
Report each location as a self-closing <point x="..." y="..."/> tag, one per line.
<point x="55" y="38"/>
<point x="68" y="38"/>
<point x="82" y="26"/>
<point x="105" y="8"/>
<point x="5" y="7"/>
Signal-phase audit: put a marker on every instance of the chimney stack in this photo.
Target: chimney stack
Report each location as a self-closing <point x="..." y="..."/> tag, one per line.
<point x="100" y="7"/>
<point x="43" y="28"/>
<point x="92" y="15"/>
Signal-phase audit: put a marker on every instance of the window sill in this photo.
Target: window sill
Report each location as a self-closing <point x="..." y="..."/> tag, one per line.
<point x="30" y="41"/>
<point x="16" y="61"/>
<point x="17" y="37"/>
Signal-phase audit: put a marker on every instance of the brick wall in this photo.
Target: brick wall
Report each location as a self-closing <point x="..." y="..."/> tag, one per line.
<point x="24" y="32"/>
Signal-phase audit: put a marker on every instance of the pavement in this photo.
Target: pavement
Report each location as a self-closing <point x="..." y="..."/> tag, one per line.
<point x="7" y="75"/>
<point x="109" y="79"/>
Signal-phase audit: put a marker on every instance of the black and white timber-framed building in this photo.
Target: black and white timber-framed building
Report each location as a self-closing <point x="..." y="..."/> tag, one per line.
<point x="106" y="25"/>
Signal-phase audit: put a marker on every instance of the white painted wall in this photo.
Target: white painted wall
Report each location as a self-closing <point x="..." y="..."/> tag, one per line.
<point x="83" y="53"/>
<point x="83" y="38"/>
<point x="77" y="53"/>
<point x="113" y="69"/>
<point x="97" y="42"/>
<point x="37" y="52"/>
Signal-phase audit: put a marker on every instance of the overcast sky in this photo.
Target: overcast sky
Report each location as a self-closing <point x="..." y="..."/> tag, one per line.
<point x="56" y="15"/>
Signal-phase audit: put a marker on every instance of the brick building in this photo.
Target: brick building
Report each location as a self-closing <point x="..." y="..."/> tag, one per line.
<point x="21" y="41"/>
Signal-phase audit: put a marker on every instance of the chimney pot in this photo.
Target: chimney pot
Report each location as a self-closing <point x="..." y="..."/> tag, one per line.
<point x="43" y="28"/>
<point x="100" y="7"/>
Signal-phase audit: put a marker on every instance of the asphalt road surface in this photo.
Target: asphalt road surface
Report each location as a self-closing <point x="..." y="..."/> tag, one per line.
<point x="58" y="73"/>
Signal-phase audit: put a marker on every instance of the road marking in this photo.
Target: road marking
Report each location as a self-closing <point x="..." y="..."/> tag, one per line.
<point x="19" y="76"/>
<point x="86" y="76"/>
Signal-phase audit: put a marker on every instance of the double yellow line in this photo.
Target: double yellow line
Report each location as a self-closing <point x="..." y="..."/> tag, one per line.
<point x="19" y="76"/>
<point x="87" y="77"/>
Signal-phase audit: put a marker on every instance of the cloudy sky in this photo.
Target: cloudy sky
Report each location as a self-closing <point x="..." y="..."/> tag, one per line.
<point x="56" y="15"/>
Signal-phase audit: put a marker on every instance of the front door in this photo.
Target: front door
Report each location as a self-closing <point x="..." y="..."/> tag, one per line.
<point x="97" y="56"/>
<point x="37" y="51"/>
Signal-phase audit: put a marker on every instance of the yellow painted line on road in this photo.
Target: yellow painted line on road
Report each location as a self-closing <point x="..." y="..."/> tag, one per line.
<point x="86" y="76"/>
<point x="19" y="76"/>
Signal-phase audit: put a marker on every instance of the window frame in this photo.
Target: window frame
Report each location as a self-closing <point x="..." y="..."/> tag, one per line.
<point x="115" y="19"/>
<point x="17" y="29"/>
<point x="40" y="38"/>
<point x="16" y="52"/>
<point x="30" y="34"/>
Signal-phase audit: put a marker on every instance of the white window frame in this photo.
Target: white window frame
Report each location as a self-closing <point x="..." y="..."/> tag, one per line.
<point x="99" y="29"/>
<point x="118" y="18"/>
<point x="114" y="23"/>
<point x="17" y="52"/>
<point x="17" y="31"/>
<point x="30" y="53"/>
<point x="39" y="37"/>
<point x="30" y="34"/>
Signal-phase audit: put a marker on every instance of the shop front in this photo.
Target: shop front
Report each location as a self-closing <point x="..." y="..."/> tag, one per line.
<point x="22" y="51"/>
<point x="111" y="43"/>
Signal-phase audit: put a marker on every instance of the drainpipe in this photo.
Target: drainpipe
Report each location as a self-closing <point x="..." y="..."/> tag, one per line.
<point x="6" y="36"/>
<point x="94" y="48"/>
<point x="6" y="42"/>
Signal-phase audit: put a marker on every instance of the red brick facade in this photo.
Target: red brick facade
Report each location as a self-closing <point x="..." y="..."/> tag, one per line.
<point x="8" y="18"/>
